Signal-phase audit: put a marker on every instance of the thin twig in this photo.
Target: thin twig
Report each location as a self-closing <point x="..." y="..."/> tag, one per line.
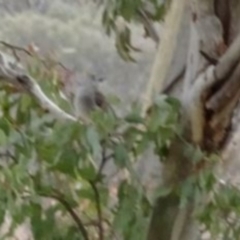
<point x="226" y="93"/>
<point x="60" y="198"/>
<point x="103" y="163"/>
<point x="99" y="210"/>
<point x="24" y="81"/>
<point x="15" y="48"/>
<point x="148" y="26"/>
<point x="47" y="104"/>
<point x="74" y="216"/>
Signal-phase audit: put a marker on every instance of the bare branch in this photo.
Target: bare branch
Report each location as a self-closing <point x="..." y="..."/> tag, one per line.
<point x="227" y="68"/>
<point x="228" y="61"/>
<point x="13" y="72"/>
<point x="225" y="94"/>
<point x="48" y="104"/>
<point x="104" y="160"/>
<point x="60" y="198"/>
<point x="99" y="210"/>
<point x="15" y="48"/>
<point x="148" y="26"/>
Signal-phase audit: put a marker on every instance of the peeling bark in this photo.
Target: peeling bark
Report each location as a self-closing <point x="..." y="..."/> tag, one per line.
<point x="209" y="95"/>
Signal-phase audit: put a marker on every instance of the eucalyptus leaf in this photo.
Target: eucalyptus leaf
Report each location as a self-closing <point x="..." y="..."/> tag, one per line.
<point x="3" y="138"/>
<point x="94" y="141"/>
<point x="121" y="157"/>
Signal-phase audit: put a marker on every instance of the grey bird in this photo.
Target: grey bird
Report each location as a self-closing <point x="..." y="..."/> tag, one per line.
<point x="88" y="97"/>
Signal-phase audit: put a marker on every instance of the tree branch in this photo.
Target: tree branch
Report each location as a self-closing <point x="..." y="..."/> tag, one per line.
<point x="61" y="199"/>
<point x="74" y="216"/>
<point x="228" y="69"/>
<point x="103" y="163"/>
<point x="225" y="94"/>
<point x="165" y="51"/>
<point x="99" y="210"/>
<point x="48" y="104"/>
<point x="15" y="74"/>
<point x="148" y="26"/>
<point x="228" y="61"/>
<point x="15" y="48"/>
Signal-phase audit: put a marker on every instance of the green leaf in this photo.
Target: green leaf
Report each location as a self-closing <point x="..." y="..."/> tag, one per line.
<point x="160" y="13"/>
<point x="195" y="154"/>
<point x="105" y="123"/>
<point x="3" y="138"/>
<point x="124" y="214"/>
<point x="66" y="161"/>
<point x="175" y="103"/>
<point x="5" y="126"/>
<point x="48" y="152"/>
<point x="86" y="193"/>
<point x="131" y="135"/>
<point x="127" y="40"/>
<point x="65" y="133"/>
<point x="93" y="141"/>
<point x="153" y="123"/>
<point x="42" y="220"/>
<point x="128" y="8"/>
<point x="130" y="217"/>
<point x="187" y="191"/>
<point x="26" y="102"/>
<point x="122" y="48"/>
<point x="162" y="192"/>
<point x="88" y="172"/>
<point x="134" y="118"/>
<point x="104" y="194"/>
<point x="142" y="144"/>
<point x="121" y="155"/>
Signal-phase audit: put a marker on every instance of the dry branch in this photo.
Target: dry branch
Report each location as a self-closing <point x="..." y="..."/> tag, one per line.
<point x="74" y="216"/>
<point x="228" y="61"/>
<point x="61" y="199"/>
<point x="12" y="72"/>
<point x="151" y="31"/>
<point x="15" y="48"/>
<point x="48" y="104"/>
<point x="227" y="91"/>
<point x="99" y="209"/>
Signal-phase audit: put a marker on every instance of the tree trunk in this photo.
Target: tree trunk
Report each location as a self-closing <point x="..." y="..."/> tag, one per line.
<point x="207" y="52"/>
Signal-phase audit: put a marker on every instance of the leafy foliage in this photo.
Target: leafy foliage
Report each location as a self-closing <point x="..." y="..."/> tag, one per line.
<point x="42" y="158"/>
<point x="118" y="13"/>
<point x="53" y="173"/>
